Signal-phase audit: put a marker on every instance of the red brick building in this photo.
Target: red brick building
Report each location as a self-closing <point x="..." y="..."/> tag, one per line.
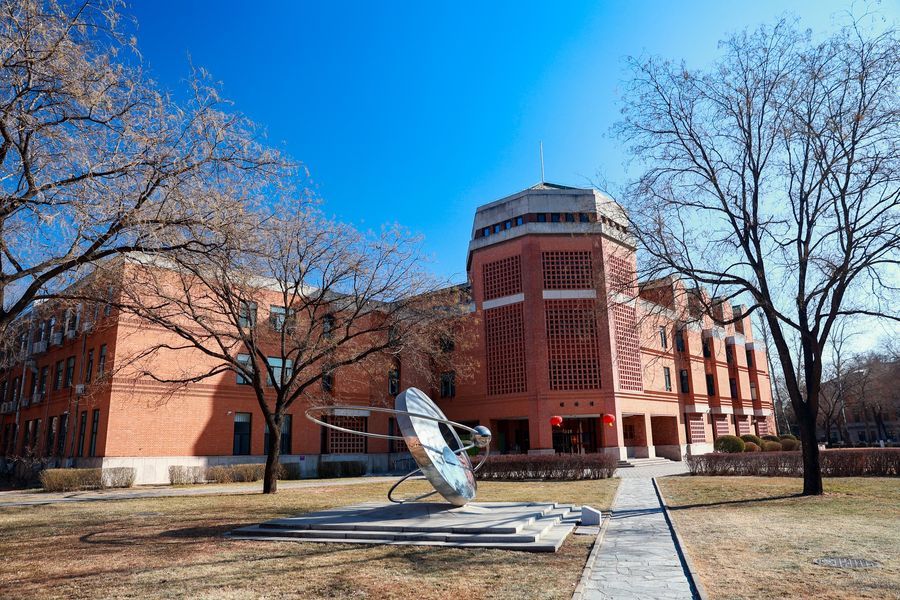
<point x="559" y="326"/>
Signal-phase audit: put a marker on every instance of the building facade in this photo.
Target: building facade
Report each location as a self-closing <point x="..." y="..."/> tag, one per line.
<point x="558" y="326"/>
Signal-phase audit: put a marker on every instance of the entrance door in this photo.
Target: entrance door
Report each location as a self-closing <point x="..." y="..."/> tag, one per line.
<point x="576" y="436"/>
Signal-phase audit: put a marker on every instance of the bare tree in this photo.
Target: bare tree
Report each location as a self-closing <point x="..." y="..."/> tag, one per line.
<point x="287" y="306"/>
<point x="774" y="177"/>
<point x="96" y="161"/>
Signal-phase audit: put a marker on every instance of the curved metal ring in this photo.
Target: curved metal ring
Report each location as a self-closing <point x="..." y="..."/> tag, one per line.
<point x="390" y="493"/>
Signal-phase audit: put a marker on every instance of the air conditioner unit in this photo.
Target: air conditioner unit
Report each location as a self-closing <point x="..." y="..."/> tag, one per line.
<point x="39" y="347"/>
<point x="70" y="334"/>
<point x="79" y="389"/>
<point x="56" y="338"/>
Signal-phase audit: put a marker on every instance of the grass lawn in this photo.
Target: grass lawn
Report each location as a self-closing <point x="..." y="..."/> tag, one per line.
<point x="173" y="547"/>
<point x="754" y="537"/>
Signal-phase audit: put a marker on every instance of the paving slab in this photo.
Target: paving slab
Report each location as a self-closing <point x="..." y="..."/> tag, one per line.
<point x="638" y="558"/>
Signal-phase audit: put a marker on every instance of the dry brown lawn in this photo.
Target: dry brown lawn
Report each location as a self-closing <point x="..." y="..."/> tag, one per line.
<point x="755" y="537"/>
<point x="174" y="548"/>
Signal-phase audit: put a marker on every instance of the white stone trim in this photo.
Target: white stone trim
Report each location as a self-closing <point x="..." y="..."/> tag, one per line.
<point x="721" y="410"/>
<point x="352" y="412"/>
<point x="696" y="409"/>
<point x="763" y="412"/>
<point x="505" y="300"/>
<point x="569" y="294"/>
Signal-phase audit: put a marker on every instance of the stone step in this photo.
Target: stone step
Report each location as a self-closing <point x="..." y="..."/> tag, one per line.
<point x="535" y="527"/>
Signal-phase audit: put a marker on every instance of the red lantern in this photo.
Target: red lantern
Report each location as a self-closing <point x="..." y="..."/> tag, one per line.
<point x="609" y="420"/>
<point x="556" y="421"/>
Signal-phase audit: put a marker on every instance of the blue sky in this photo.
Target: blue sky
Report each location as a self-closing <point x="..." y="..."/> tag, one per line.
<point x="416" y="113"/>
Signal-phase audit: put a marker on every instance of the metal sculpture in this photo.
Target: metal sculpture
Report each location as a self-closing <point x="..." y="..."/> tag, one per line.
<point x="433" y="442"/>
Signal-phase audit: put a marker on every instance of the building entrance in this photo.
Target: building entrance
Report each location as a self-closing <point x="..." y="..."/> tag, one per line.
<point x="576" y="436"/>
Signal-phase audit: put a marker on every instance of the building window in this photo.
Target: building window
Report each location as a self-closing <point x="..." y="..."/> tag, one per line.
<point x="507" y="224"/>
<point x="79" y="451"/>
<point x="570" y="218"/>
<point x="729" y="354"/>
<point x="448" y="384"/>
<point x="328" y="380"/>
<point x="58" y="375"/>
<point x="707" y="352"/>
<point x="520" y="221"/>
<point x="241" y="434"/>
<point x="394" y="380"/>
<point x="95" y="427"/>
<point x="52" y="427"/>
<point x="554" y="217"/>
<point x="667" y="377"/>
<point x="486" y="231"/>
<point x="683" y="381"/>
<point x="447" y="344"/>
<point x="749" y="357"/>
<point x="541" y="217"/>
<point x="497" y="228"/>
<point x="281" y="319"/>
<point x="753" y="395"/>
<point x="281" y="370"/>
<point x="42" y="384"/>
<point x="247" y="315"/>
<point x="15" y="390"/>
<point x="663" y="340"/>
<point x="328" y="326"/>
<point x="284" y="446"/>
<point x="710" y="385"/>
<point x="70" y="372"/>
<point x="63" y="431"/>
<point x="583" y="218"/>
<point x="679" y="341"/>
<point x="244" y="362"/>
<point x="101" y="362"/>
<point x="34" y="388"/>
<point x="341" y="442"/>
<point x="89" y="367"/>
<point x="732" y="384"/>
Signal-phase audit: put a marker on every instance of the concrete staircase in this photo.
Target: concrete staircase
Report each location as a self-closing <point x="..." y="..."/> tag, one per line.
<point x="527" y="526"/>
<point x="644" y="462"/>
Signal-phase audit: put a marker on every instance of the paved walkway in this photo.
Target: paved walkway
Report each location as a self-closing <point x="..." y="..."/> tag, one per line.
<point x="34" y="498"/>
<point x="638" y="558"/>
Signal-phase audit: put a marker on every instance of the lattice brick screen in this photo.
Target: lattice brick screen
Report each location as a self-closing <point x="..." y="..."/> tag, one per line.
<point x="505" y="348"/>
<point x="696" y="430"/>
<point x="628" y="353"/>
<point x="572" y="344"/>
<point x="340" y="442"/>
<point x="502" y="277"/>
<point x="567" y="270"/>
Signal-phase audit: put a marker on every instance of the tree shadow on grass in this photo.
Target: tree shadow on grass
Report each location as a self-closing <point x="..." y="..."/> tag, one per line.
<point x="748" y="501"/>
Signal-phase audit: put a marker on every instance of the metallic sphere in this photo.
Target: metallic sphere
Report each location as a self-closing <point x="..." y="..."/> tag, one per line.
<point x="482" y="436"/>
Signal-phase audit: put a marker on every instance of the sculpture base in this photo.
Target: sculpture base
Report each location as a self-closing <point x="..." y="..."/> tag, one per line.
<point x="527" y="526"/>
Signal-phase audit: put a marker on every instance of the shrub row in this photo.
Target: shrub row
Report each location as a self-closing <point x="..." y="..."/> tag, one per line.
<point x="182" y="475"/>
<point x="70" y="480"/>
<point x="873" y="462"/>
<point x="342" y="468"/>
<point x="554" y="467"/>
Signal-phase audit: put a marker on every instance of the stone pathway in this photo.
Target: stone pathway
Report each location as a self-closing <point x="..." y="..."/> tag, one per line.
<point x="32" y="497"/>
<point x="638" y="558"/>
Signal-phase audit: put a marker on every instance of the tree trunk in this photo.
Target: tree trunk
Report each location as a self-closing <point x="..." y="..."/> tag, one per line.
<point x="812" y="469"/>
<point x="270" y="481"/>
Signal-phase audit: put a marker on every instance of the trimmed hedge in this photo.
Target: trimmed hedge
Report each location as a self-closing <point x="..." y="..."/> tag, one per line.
<point x="771" y="438"/>
<point x="728" y="444"/>
<point x="772" y="446"/>
<point x="790" y="445"/>
<point x="551" y="467"/>
<point x="239" y="473"/>
<point x="865" y="462"/>
<point x="70" y="480"/>
<point x="180" y="475"/>
<point x="342" y="468"/>
<point x="787" y="436"/>
<point x="751" y="447"/>
<point x="749" y="437"/>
